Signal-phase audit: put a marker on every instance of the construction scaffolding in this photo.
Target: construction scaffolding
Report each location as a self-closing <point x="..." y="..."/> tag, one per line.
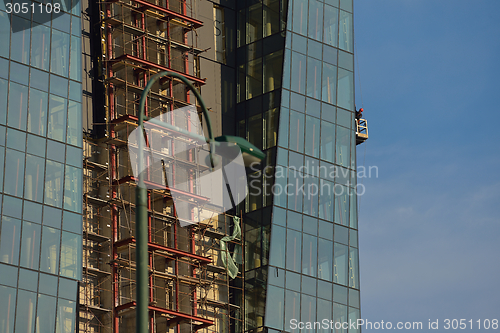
<point x="189" y="286"/>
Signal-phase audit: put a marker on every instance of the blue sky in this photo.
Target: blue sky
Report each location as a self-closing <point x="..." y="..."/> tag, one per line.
<point x="428" y="74"/>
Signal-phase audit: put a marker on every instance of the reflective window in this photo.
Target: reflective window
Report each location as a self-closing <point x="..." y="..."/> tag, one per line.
<point x="254" y="23"/>
<point x="76" y="58"/>
<point x="354" y="298"/>
<point x="284" y="128"/>
<point x="341" y="235"/>
<point x="12" y="207"/>
<point x="33" y="184"/>
<point x="62" y="22"/>
<point x="331" y="25"/>
<point x="59" y="59"/>
<point x="8" y="278"/>
<point x="345" y="90"/>
<point x="254" y="78"/>
<point x="345" y="31"/>
<point x="314" y="78"/>
<point x="308" y="285"/>
<point x="326" y="200"/>
<point x="296" y="161"/>
<point x="315" y="20"/>
<point x="312" y="134"/>
<point x="5" y="33"/>
<point x="330" y="55"/>
<point x="46" y="314"/>
<point x="16" y="139"/>
<point x="294" y="220"/>
<point x="295" y="196"/>
<point x="58" y="86"/>
<point x="37" y="117"/>
<point x="325" y="259"/>
<point x="270" y="128"/>
<point x="292" y="308"/>
<point x="353" y="217"/>
<point x="280" y="182"/>
<point x="49" y="258"/>
<point x="254" y="133"/>
<point x="327" y="141"/>
<point x="340" y="257"/>
<point x="341" y="204"/>
<point x="66" y="312"/>
<point x="286" y="68"/>
<point x="74" y="156"/>
<point x="310" y="225"/>
<point x="325" y="229"/>
<point x="72" y="222"/>
<point x="339" y="294"/>
<point x="4" y="89"/>
<point x="271" y="17"/>
<point x="67" y="288"/>
<point x="354" y="317"/>
<point x="340" y="315"/>
<point x="277" y="256"/>
<point x="9" y="240"/>
<point x="311" y="189"/>
<point x="32" y="212"/>
<point x="300" y="17"/>
<point x="293" y="281"/>
<point x="14" y="173"/>
<point x="296" y="131"/>
<point x="293" y="250"/>
<point x="298" y="73"/>
<point x="75" y="91"/>
<point x="7" y="308"/>
<point x="52" y="217"/>
<point x="298" y="102"/>
<point x="30" y="245"/>
<point x="353" y="268"/>
<point x="272" y="71"/>
<point x="308" y="310"/>
<point x="54" y="183"/>
<point x="22" y="73"/>
<point x="343" y="148"/>
<point x="47" y="284"/>
<point x="276" y="276"/>
<point x="36" y="145"/>
<point x="346" y="60"/>
<point x="55" y="151"/>
<point x="20" y="42"/>
<point x="299" y="43"/>
<point x="76" y="24"/>
<point x="309" y="256"/>
<point x="329" y="83"/>
<point x="39" y="80"/>
<point x="18" y="106"/>
<point x="275" y="307"/>
<point x="314" y="49"/>
<point x="57" y="118"/>
<point x="40" y="47"/>
<point x="324" y="312"/>
<point x="28" y="279"/>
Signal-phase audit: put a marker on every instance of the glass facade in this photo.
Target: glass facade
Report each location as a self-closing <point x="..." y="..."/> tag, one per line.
<point x="41" y="168"/>
<point x="296" y="102"/>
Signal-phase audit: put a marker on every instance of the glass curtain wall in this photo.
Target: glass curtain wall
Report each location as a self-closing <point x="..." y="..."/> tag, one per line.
<point x="313" y="271"/>
<point x="41" y="168"/>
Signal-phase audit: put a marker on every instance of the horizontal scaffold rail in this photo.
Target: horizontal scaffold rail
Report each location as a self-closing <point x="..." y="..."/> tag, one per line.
<point x="158" y="247"/>
<point x="177" y="316"/>
<point x="169" y="14"/>
<point x="149" y="64"/>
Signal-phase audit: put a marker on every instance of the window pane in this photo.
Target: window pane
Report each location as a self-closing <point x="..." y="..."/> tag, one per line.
<point x="272" y="71"/>
<point x="345" y="33"/>
<point x="312" y="135"/>
<point x="26" y="303"/>
<point x="298" y="73"/>
<point x="309" y="254"/>
<point x="40" y="47"/>
<point x="10" y="237"/>
<point x="36" y="145"/>
<point x="327" y="141"/>
<point x="4" y="89"/>
<point x="14" y="173"/>
<point x="311" y="189"/>
<point x="295" y="195"/>
<point x="343" y="148"/>
<point x="270" y="128"/>
<point x="55" y="151"/>
<point x="271" y="17"/>
<point x="254" y="78"/>
<point x="35" y="171"/>
<point x="277" y="257"/>
<point x="300" y="17"/>
<point x="340" y="264"/>
<point x="340" y="315"/>
<point x="275" y="307"/>
<point x="76" y="58"/>
<point x="30" y="245"/>
<point x="331" y="25"/>
<point x="16" y="139"/>
<point x="353" y="268"/>
<point x="22" y="75"/>
<point x="59" y="59"/>
<point x="286" y="68"/>
<point x="39" y="80"/>
<point x="314" y="78"/>
<point x="59" y="86"/>
<point x="308" y="310"/>
<point x="254" y="23"/>
<point x="325" y="259"/>
<point x="292" y="308"/>
<point x="329" y="83"/>
<point x="73" y="189"/>
<point x="315" y="20"/>
<point x="324" y="312"/>
<point x="47" y="284"/>
<point x="18" y="106"/>
<point x="284" y="127"/>
<point x="54" y="183"/>
<point x="37" y="117"/>
<point x="8" y="277"/>
<point x="20" y="43"/>
<point x="5" y="33"/>
<point x="254" y="134"/>
<point x="326" y="200"/>
<point x="65" y="316"/>
<point x="49" y="261"/>
<point x="293" y="250"/>
<point x="341" y="204"/>
<point x="345" y="90"/>
<point x="296" y="131"/>
<point x="57" y="118"/>
<point x="67" y="288"/>
<point x="7" y="307"/>
<point x="46" y="314"/>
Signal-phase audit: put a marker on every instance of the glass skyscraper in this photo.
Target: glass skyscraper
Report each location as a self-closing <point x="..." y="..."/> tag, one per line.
<point x="301" y="222"/>
<point x="41" y="169"/>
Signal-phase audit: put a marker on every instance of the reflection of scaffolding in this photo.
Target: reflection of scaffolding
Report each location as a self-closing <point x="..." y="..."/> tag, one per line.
<point x="189" y="288"/>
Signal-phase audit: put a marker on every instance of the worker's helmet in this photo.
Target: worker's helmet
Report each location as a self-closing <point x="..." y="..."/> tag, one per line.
<point x="361" y="110"/>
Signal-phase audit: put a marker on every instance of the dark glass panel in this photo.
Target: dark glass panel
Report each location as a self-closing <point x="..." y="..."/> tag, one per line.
<point x="277" y="256"/>
<point x="327" y="141"/>
<point x="311" y="194"/>
<point x="4" y="89"/>
<point x="272" y="71"/>
<point x="296" y="131"/>
<point x="5" y="33"/>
